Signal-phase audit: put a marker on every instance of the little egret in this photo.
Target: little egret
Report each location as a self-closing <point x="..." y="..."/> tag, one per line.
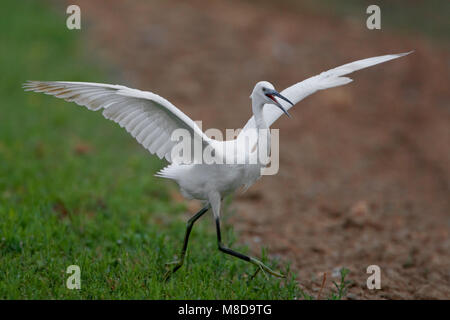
<point x="151" y="120"/>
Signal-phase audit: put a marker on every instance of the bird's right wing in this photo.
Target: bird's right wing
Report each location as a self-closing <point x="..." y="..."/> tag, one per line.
<point x="328" y="79"/>
<point x="148" y="117"/>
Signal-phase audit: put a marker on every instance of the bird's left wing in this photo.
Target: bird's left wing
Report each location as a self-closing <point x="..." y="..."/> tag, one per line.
<point x="328" y="79"/>
<point x="148" y="117"/>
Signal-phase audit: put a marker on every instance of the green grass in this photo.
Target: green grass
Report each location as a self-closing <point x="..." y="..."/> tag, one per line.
<point x="341" y="287"/>
<point x="77" y="189"/>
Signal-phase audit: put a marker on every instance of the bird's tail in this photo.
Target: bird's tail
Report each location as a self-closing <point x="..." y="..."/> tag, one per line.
<point x="168" y="172"/>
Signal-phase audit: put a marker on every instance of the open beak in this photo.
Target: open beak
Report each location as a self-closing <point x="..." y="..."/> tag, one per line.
<point x="272" y="94"/>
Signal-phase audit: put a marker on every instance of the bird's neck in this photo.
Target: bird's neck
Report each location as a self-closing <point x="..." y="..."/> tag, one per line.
<point x="263" y="133"/>
<point x="257" y="108"/>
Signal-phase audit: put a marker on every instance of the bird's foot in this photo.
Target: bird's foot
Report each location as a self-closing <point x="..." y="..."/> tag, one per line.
<point x="175" y="262"/>
<point x="177" y="265"/>
<point x="256" y="272"/>
<point x="261" y="266"/>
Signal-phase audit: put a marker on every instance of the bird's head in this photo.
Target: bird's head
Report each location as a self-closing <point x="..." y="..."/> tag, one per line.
<point x="265" y="93"/>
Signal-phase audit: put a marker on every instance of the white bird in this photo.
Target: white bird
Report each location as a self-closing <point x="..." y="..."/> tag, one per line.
<point x="151" y="119"/>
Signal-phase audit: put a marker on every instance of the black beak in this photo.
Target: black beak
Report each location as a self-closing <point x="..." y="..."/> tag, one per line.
<point x="272" y="94"/>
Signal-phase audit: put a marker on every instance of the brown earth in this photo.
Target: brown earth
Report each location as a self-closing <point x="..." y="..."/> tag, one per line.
<point x="364" y="169"/>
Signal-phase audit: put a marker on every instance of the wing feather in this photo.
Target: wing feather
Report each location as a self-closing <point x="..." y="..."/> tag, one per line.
<point x="148" y="117"/>
<point x="328" y="79"/>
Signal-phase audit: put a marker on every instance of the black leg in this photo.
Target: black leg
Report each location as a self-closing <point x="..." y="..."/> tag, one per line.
<point x="178" y="263"/>
<point x="225" y="249"/>
<point x="239" y="255"/>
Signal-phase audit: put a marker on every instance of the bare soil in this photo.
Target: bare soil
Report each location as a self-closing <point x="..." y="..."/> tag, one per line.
<point x="364" y="169"/>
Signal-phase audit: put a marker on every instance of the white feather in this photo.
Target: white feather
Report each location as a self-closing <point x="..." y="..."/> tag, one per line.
<point x="133" y="109"/>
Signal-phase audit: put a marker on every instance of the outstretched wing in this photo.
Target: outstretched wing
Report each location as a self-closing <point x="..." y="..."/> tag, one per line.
<point x="148" y="117"/>
<point x="328" y="79"/>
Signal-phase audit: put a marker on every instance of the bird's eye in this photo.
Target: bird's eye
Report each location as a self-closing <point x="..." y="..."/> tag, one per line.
<point x="264" y="89"/>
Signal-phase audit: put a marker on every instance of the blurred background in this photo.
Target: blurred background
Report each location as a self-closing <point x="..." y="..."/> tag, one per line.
<point x="364" y="169"/>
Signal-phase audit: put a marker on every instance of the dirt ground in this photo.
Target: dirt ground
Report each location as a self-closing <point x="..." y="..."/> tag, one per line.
<point x="364" y="169"/>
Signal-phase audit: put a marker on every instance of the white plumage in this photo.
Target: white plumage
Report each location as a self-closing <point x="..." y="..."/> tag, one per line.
<point x="151" y="120"/>
<point x="327" y="79"/>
